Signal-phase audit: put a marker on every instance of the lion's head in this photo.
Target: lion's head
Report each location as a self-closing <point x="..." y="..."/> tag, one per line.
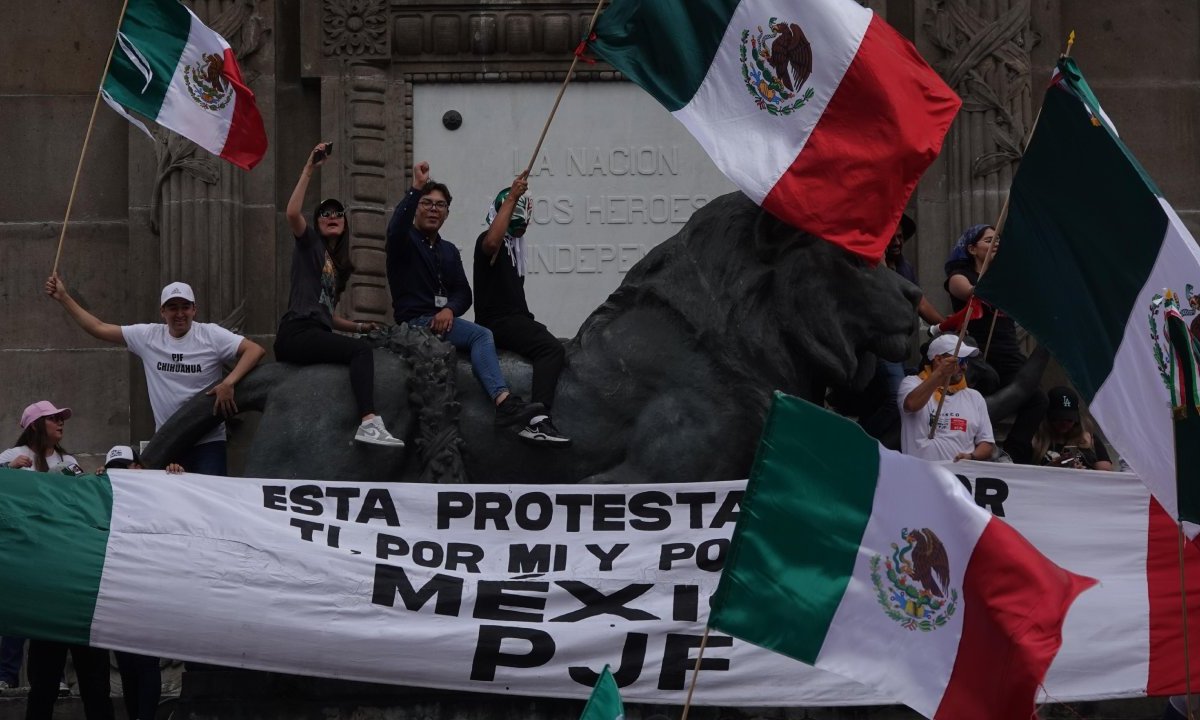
<point x="769" y="301"/>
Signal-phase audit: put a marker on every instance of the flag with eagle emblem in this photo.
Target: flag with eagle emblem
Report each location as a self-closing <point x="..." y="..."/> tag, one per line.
<point x="1090" y="252"/>
<point x="880" y="568"/>
<point x="169" y="67"/>
<point x="819" y="111"/>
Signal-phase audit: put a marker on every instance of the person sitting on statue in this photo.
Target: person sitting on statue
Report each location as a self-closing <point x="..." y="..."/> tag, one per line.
<point x="993" y="330"/>
<point x="321" y="268"/>
<point x="962" y="429"/>
<point x="181" y="358"/>
<point x="429" y="289"/>
<point x="501" y="307"/>
<point x="1065" y="437"/>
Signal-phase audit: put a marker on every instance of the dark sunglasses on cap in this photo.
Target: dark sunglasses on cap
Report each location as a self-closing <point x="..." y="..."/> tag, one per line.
<point x="332" y="213"/>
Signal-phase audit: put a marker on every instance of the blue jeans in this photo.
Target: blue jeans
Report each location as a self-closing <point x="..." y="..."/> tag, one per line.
<point x="466" y="335"/>
<point x="206" y="459"/>
<point x="11" y="650"/>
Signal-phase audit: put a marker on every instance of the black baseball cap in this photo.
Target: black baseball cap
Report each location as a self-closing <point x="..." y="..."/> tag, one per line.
<point x="1064" y="404"/>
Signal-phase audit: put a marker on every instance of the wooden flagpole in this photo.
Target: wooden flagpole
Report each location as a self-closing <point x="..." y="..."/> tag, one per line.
<point x="687" y="704"/>
<point x="1187" y="650"/>
<point x="86" y="137"/>
<point x="987" y="261"/>
<point x="563" y="88"/>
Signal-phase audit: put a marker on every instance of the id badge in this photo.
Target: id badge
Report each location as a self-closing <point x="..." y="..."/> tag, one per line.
<point x="439" y="301"/>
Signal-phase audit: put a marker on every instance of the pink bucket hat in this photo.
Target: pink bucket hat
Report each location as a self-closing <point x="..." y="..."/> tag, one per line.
<point x="41" y="409"/>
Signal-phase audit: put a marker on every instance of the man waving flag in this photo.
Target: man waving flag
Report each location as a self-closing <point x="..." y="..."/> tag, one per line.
<point x="818" y="110"/>
<point x="169" y="67"/>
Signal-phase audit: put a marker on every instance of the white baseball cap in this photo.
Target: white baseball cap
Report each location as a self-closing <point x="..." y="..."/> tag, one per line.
<point x="179" y="290"/>
<point x="121" y="455"/>
<point x="944" y="345"/>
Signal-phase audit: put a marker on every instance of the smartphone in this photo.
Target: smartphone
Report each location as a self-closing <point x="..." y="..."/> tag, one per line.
<point x="321" y="154"/>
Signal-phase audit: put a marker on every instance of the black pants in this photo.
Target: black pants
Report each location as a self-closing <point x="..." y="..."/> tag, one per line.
<point x="45" y="668"/>
<point x="530" y="339"/>
<point x="308" y="342"/>
<point x="141" y="685"/>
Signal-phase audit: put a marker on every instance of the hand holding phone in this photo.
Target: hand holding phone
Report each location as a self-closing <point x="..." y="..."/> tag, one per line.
<point x="323" y="151"/>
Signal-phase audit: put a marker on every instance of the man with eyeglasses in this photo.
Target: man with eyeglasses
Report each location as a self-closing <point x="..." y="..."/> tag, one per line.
<point x="181" y="358"/>
<point x="963" y="430"/>
<point x="429" y="289"/>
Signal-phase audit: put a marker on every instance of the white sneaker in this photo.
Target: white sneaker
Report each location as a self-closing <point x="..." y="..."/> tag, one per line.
<point x="373" y="432"/>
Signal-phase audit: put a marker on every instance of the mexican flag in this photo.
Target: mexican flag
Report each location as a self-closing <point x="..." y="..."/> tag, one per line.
<point x="818" y="110"/>
<point x="1090" y="253"/>
<point x="169" y="67"/>
<point x="879" y="567"/>
<point x="605" y="701"/>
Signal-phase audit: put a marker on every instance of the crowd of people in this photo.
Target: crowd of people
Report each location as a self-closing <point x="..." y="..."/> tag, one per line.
<point x="938" y="410"/>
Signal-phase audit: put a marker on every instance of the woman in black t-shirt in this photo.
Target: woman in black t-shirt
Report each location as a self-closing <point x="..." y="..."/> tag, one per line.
<point x="321" y="268"/>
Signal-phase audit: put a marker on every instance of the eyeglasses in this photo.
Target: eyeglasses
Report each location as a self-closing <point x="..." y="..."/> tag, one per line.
<point x="434" y="204"/>
<point x="57" y="417"/>
<point x="332" y="213"/>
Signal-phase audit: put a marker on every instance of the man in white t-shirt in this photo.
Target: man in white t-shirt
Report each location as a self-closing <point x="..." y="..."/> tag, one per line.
<point x="964" y="430"/>
<point x="181" y="358"/>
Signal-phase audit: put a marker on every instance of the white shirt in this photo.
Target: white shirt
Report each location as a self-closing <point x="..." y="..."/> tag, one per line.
<point x="178" y="368"/>
<point x="52" y="460"/>
<point x="963" y="424"/>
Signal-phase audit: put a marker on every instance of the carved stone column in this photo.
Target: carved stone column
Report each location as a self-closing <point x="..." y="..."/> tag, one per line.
<point x="198" y="201"/>
<point x="982" y="49"/>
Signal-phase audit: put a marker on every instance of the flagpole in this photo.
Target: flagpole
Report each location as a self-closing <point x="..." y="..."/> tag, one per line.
<point x="86" y="137"/>
<point x="563" y="88"/>
<point x="999" y="226"/>
<point x="1187" y="654"/>
<point x="687" y="704"/>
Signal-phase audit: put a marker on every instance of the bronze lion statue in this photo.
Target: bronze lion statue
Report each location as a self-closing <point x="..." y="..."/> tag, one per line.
<point x="668" y="380"/>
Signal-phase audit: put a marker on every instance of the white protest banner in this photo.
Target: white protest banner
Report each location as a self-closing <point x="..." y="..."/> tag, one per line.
<point x="521" y="589"/>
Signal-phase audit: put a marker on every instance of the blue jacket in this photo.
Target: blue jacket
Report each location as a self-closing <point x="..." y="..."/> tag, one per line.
<point x="417" y="272"/>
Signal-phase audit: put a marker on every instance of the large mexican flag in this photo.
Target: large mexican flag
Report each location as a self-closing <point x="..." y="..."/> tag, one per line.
<point x="169" y="67"/>
<point x="818" y="110"/>
<point x="879" y="567"/>
<point x="1091" y="258"/>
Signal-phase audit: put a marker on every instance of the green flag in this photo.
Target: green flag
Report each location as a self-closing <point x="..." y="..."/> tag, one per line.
<point x="605" y="702"/>
<point x="879" y="567"/>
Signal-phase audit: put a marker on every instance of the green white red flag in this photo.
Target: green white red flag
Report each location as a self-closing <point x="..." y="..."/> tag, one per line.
<point x="1091" y="251"/>
<point x="169" y="67"/>
<point x="817" y="110"/>
<point x="878" y="567"/>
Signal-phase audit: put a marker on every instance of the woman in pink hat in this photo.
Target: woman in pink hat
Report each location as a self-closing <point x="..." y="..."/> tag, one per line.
<point x="39" y="448"/>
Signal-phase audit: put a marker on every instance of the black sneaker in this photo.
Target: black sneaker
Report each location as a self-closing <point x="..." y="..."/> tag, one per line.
<point x="543" y="432"/>
<point x="514" y="411"/>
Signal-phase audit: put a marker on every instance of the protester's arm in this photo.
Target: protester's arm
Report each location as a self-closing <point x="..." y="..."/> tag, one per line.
<point x="406" y="209"/>
<point x="941" y="371"/>
<point x="295" y="212"/>
<point x="982" y="451"/>
<point x="929" y="313"/>
<point x="495" y="232"/>
<point x="458" y="291"/>
<point x="93" y="325"/>
<point x="960" y="287"/>
<point x="248" y="353"/>
<point x="343" y="325"/>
